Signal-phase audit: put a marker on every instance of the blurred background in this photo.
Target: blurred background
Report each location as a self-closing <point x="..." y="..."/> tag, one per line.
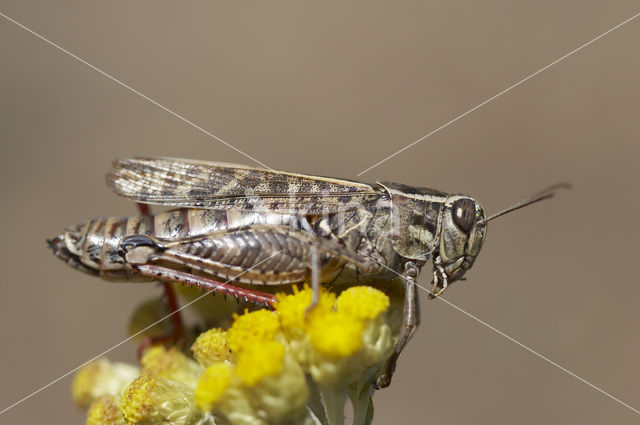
<point x="331" y="88"/>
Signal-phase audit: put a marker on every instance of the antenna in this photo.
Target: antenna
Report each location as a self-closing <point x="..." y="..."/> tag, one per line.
<point x="546" y="193"/>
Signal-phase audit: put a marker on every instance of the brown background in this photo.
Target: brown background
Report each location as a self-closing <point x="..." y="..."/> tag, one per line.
<point x="331" y="88"/>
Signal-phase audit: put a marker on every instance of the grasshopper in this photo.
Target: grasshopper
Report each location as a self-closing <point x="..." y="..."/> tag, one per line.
<point x="258" y="227"/>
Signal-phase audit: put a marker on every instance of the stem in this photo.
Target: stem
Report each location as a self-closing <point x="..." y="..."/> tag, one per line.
<point x="360" y="394"/>
<point x="333" y="400"/>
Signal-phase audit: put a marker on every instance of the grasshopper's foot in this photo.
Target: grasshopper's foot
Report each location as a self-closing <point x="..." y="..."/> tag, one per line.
<point x="436" y="291"/>
<point x="384" y="380"/>
<point x="312" y="306"/>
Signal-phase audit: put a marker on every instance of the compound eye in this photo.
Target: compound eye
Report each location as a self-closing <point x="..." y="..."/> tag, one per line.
<point x="464" y="214"/>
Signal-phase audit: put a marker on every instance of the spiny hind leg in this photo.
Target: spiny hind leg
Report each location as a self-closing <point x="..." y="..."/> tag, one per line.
<point x="303" y="251"/>
<point x="310" y="254"/>
<point x="199" y="282"/>
<point x="142" y="253"/>
<point x="306" y="252"/>
<point x="206" y="284"/>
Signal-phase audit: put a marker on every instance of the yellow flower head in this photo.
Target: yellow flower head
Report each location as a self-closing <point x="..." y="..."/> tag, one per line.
<point x="256" y="326"/>
<point x="336" y="334"/>
<point x="212" y="385"/>
<point x="211" y="347"/>
<point x="137" y="401"/>
<point x="260" y="371"/>
<point x="279" y="392"/>
<point x="101" y="377"/>
<point x="152" y="400"/>
<point x="105" y="410"/>
<point x="362" y="302"/>
<point x="170" y="364"/>
<point x="259" y="360"/>
<point x="294" y="312"/>
<point x="370" y="306"/>
<point x="348" y="341"/>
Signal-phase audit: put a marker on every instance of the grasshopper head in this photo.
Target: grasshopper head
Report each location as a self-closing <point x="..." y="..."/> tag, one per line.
<point x="462" y="235"/>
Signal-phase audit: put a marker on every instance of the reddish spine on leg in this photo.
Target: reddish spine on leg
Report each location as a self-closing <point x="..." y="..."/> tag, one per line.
<point x="249" y="295"/>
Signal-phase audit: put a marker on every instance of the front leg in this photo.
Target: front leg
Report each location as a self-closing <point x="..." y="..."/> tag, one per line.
<point x="411" y="321"/>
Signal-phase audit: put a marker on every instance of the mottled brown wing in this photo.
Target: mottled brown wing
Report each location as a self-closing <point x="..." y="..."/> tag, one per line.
<point x="214" y="185"/>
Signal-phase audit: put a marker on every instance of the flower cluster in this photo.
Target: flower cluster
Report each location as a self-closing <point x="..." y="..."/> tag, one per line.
<point x="293" y="365"/>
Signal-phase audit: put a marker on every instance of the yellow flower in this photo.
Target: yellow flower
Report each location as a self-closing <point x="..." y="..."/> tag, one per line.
<point x="294" y="312"/>
<point x="211" y="347"/>
<point x="170" y="364"/>
<point x="362" y="302"/>
<point x="259" y="325"/>
<point x="152" y="400"/>
<point x="212" y="385"/>
<point x="370" y="306"/>
<point x="259" y="360"/>
<point x="336" y="334"/>
<point x="219" y="392"/>
<point x="279" y="392"/>
<point x="105" y="410"/>
<point x="101" y="377"/>
<point x="294" y="365"/>
<point x="348" y="341"/>
<point x="267" y="386"/>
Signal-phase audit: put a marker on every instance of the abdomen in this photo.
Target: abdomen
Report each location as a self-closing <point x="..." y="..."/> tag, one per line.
<point x="92" y="246"/>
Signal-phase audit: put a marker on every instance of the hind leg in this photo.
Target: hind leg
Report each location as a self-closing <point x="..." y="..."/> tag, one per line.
<point x="206" y="284"/>
<point x="309" y="251"/>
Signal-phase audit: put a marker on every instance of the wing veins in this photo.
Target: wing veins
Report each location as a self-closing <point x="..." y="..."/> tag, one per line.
<point x="211" y="185"/>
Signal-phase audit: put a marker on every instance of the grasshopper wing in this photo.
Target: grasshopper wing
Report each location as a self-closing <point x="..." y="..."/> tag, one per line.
<point x="220" y="186"/>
